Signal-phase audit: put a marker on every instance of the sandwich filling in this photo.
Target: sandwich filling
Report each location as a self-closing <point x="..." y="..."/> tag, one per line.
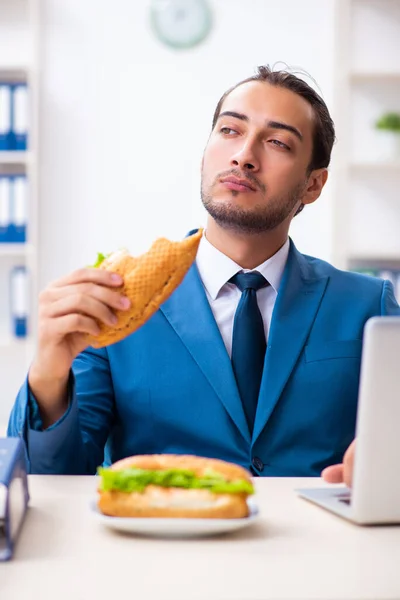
<point x="100" y="259"/>
<point x="136" y="480"/>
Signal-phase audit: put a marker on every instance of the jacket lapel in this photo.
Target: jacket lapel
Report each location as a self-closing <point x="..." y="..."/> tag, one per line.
<point x="297" y="303"/>
<point x="189" y="313"/>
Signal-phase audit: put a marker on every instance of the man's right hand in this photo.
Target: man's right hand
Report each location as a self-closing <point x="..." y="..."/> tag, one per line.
<point x="69" y="309"/>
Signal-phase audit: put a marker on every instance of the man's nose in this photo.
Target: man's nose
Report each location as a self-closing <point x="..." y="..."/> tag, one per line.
<point x="246" y="158"/>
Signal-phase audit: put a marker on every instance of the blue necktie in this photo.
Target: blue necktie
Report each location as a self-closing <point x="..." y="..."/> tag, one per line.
<point x="248" y="342"/>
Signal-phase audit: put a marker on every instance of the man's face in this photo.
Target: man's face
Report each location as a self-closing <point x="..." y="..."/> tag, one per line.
<point x="254" y="170"/>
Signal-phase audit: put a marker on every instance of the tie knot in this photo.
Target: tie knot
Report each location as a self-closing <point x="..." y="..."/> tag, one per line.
<point x="249" y="281"/>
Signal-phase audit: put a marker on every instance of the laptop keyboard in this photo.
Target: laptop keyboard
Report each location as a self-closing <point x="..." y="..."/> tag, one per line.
<point x="345" y="500"/>
<point x="344" y="497"/>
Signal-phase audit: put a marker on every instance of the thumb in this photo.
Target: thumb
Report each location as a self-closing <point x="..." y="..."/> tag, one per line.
<point x="333" y="474"/>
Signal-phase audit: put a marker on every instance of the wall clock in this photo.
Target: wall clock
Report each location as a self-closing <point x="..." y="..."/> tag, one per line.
<point x="181" y="23"/>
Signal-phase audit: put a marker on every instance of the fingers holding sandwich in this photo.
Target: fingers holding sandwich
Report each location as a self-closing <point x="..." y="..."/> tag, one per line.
<point x="69" y="309"/>
<point x="86" y="298"/>
<point x="89" y="275"/>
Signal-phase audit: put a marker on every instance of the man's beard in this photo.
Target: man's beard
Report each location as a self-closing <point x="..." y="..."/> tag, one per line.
<point x="257" y="219"/>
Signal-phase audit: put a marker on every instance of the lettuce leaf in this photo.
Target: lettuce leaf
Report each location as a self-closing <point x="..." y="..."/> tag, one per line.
<point x="100" y="258"/>
<point x="136" y="480"/>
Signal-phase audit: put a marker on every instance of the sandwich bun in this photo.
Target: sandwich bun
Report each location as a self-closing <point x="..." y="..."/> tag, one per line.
<point x="149" y="280"/>
<point x="173" y="502"/>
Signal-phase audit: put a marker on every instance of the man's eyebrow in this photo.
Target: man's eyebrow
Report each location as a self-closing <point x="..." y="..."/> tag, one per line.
<point x="235" y="115"/>
<point x="270" y="124"/>
<point x="291" y="128"/>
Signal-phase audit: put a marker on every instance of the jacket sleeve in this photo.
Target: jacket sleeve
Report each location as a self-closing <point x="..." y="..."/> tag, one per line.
<point x="389" y="304"/>
<point x="74" y="445"/>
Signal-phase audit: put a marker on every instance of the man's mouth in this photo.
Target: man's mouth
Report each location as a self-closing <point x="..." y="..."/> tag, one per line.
<point x="239" y="185"/>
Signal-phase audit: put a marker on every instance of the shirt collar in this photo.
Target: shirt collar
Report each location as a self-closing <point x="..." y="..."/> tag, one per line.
<point x="215" y="268"/>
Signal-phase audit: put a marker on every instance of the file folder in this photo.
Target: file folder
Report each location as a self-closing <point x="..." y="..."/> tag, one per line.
<point x="5" y="209"/>
<point x="18" y="208"/>
<point x="19" y="301"/>
<point x="5" y="117"/>
<point x="20" y="116"/>
<point x="14" y="493"/>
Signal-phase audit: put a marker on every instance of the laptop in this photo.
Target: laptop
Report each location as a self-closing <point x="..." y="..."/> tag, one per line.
<point x="374" y="497"/>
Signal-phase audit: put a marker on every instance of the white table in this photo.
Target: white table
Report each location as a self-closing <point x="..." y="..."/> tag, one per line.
<point x="298" y="550"/>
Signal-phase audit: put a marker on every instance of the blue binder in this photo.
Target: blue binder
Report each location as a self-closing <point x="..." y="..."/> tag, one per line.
<point x="6" y="141"/>
<point x="20" y="116"/>
<point x="5" y="209"/>
<point x="19" y="301"/>
<point x="14" y="493"/>
<point x="18" y="208"/>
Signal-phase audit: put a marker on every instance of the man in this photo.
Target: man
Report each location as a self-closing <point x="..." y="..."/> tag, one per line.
<point x="255" y="357"/>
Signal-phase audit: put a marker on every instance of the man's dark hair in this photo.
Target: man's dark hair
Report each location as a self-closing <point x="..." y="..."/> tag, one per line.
<point x="324" y="128"/>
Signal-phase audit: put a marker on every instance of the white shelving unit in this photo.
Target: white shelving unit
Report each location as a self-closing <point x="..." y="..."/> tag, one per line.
<point x="15" y="158"/>
<point x="19" y="61"/>
<point x="16" y="250"/>
<point x="366" y="177"/>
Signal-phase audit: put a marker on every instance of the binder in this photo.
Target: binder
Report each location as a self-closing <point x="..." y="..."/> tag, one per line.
<point x="5" y="117"/>
<point x="20" y="116"/>
<point x="18" y="208"/>
<point x="14" y="493"/>
<point x="19" y="301"/>
<point x="5" y="209"/>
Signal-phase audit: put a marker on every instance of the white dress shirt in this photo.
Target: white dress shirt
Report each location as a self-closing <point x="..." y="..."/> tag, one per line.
<point x="215" y="269"/>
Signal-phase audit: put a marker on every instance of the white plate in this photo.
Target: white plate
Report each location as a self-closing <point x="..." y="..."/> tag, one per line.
<point x="159" y="527"/>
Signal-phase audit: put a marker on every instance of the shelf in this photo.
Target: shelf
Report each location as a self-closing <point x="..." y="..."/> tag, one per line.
<point x="15" y="158"/>
<point x="375" y="76"/>
<point x="393" y="165"/>
<point x="7" y="342"/>
<point x="15" y="249"/>
<point x="13" y="73"/>
<point x="383" y="262"/>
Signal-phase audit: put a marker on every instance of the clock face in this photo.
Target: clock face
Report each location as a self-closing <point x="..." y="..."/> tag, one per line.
<point x="181" y="23"/>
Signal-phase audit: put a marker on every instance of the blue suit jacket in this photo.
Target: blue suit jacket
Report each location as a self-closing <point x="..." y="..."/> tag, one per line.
<point x="169" y="387"/>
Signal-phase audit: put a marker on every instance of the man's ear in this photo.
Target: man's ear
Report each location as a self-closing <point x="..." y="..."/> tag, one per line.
<point x="316" y="181"/>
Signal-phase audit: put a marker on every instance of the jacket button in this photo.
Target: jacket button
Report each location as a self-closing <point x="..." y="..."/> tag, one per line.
<point x="258" y="463"/>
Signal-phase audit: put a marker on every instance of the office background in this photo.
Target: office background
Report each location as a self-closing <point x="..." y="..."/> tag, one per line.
<point x="118" y="122"/>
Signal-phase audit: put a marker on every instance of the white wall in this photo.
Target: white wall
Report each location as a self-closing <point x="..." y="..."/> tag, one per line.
<point x="124" y="120"/>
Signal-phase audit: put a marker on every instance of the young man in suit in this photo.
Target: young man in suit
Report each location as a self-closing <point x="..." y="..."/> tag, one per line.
<point x="255" y="357"/>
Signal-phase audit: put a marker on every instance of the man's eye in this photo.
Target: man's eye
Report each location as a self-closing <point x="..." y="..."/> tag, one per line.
<point x="280" y="144"/>
<point x="227" y="130"/>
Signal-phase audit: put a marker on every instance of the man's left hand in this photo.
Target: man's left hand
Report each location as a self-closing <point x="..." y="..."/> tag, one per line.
<point x="341" y="473"/>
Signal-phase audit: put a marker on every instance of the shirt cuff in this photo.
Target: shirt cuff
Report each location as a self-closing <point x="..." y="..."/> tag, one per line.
<point x="34" y="419"/>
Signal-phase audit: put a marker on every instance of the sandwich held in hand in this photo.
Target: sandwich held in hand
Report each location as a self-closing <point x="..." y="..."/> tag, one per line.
<point x="169" y="485"/>
<point x="149" y="280"/>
